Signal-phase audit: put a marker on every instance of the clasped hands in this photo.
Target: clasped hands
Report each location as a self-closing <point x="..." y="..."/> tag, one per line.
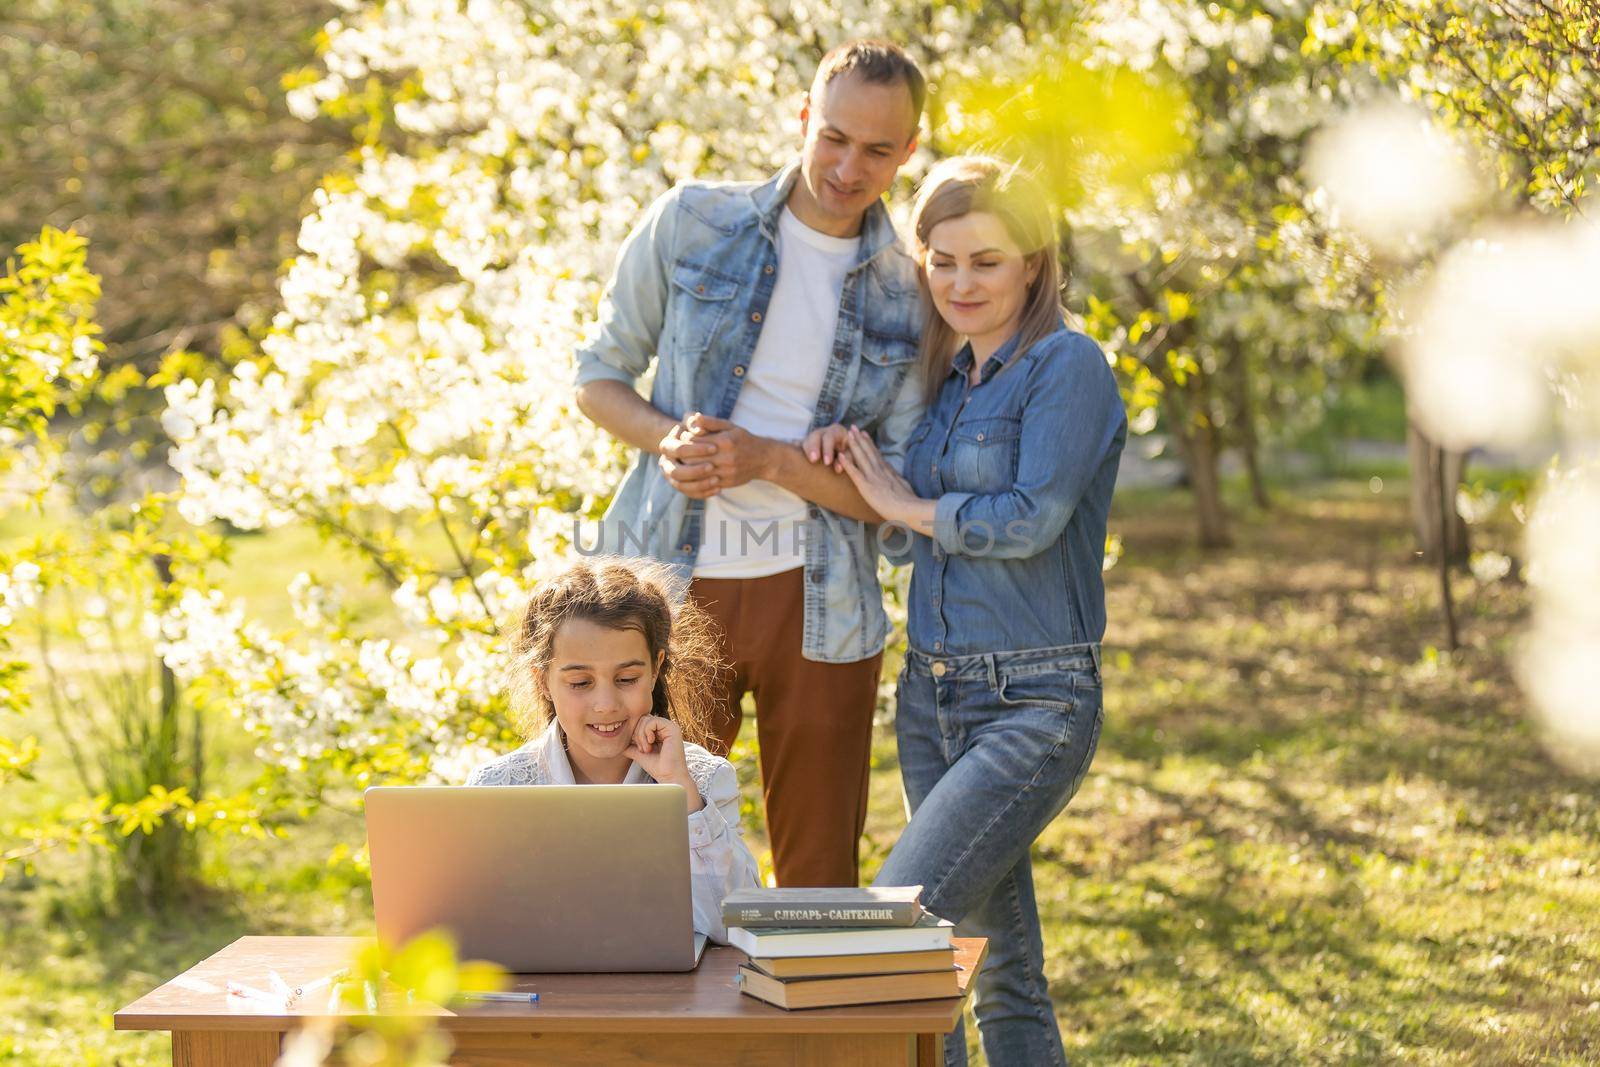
<point x="702" y="455"/>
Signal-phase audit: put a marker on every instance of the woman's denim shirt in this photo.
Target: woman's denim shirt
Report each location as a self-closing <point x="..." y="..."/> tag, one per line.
<point x="1022" y="466"/>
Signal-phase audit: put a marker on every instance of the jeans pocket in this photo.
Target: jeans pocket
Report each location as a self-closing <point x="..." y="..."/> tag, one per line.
<point x="1049" y="689"/>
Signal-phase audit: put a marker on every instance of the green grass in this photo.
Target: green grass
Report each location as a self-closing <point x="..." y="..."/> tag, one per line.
<point x="1308" y="836"/>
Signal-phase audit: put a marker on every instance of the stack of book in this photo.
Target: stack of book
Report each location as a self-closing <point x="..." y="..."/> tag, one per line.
<point x="814" y="948"/>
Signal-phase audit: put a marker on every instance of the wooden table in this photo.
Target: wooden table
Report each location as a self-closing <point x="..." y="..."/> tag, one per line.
<point x="696" y="1018"/>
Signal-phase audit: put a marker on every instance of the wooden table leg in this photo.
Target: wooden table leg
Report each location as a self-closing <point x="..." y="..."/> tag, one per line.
<point x="225" y="1048"/>
<point x="930" y="1050"/>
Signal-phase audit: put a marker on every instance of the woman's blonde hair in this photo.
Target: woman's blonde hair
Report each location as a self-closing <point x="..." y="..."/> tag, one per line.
<point x="960" y="186"/>
<point x="623" y="594"/>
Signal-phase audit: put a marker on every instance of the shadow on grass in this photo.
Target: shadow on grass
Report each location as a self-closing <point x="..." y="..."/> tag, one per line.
<point x="1300" y="841"/>
<point x="1288" y="648"/>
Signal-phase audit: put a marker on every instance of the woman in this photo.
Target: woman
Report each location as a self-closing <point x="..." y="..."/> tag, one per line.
<point x="1006" y="487"/>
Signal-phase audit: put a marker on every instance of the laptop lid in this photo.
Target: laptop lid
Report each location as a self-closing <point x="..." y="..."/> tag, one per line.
<point x="547" y="878"/>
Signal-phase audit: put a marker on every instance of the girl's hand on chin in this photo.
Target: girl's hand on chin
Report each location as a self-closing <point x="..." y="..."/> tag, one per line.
<point x="657" y="746"/>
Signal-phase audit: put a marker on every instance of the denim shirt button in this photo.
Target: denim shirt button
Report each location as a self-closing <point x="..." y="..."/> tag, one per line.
<point x="755" y="316"/>
<point x="687" y="548"/>
<point x="816" y="577"/>
<point x="738" y="372"/>
<point x="938" y="667"/>
<point x="768" y="269"/>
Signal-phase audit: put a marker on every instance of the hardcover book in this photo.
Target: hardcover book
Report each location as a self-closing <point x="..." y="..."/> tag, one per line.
<point x="872" y="906"/>
<point x="867" y="963"/>
<point x="930" y="932"/>
<point x="861" y="989"/>
<point x="837" y="991"/>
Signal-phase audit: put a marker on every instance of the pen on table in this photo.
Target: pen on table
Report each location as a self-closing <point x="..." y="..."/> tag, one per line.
<point x="279" y="986"/>
<point x="507" y="998"/>
<point x="326" y="980"/>
<point x="239" y="989"/>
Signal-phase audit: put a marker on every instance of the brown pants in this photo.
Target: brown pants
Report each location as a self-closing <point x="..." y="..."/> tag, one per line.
<point x="813" y="725"/>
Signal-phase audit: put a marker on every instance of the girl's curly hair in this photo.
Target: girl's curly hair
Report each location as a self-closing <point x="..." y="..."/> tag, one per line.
<point x="624" y="594"/>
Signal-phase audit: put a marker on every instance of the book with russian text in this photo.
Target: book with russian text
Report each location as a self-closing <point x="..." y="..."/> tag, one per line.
<point x="930" y="932"/>
<point x="789" y="908"/>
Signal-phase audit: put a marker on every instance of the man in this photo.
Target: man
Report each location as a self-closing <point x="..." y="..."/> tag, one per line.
<point x="773" y="309"/>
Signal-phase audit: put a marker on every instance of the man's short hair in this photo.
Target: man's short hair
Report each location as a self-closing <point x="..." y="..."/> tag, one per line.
<point x="878" y="62"/>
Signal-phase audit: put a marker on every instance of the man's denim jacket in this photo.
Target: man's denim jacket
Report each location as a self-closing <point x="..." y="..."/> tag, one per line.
<point x="691" y="287"/>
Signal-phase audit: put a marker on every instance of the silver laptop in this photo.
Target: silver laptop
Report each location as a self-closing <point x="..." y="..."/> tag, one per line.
<point x="539" y="879"/>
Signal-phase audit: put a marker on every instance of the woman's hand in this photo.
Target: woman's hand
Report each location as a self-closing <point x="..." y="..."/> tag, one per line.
<point x="879" y="484"/>
<point x="824" y="444"/>
<point x="657" y="746"/>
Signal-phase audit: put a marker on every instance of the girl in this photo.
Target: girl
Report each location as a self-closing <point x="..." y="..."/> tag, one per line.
<point x="614" y="684"/>
<point x="1005" y="491"/>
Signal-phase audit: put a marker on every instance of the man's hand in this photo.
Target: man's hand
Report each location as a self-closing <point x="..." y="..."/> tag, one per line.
<point x="685" y="458"/>
<point x="739" y="456"/>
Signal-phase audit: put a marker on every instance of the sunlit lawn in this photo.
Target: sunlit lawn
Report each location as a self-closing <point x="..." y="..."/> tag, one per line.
<point x="1308" y="836"/>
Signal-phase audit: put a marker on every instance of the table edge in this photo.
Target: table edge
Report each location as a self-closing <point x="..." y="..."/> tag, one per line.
<point x="800" y="1022"/>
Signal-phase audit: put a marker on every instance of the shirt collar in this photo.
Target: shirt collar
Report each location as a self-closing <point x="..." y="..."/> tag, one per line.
<point x="962" y="364"/>
<point x="551" y="745"/>
<point x="1002" y="356"/>
<point x="877" y="229"/>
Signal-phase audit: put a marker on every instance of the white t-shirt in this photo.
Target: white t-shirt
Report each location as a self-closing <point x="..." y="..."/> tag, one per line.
<point x="753" y="530"/>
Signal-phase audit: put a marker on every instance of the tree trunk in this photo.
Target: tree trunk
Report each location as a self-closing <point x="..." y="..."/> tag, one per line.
<point x="1186" y="405"/>
<point x="1252" y="468"/>
<point x="1435" y="475"/>
<point x="1244" y="421"/>
<point x="1197" y="447"/>
<point x="158" y="865"/>
<point x="1447" y="506"/>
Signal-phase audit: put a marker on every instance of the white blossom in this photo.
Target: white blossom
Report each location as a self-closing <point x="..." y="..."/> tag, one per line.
<point x="1502" y="315"/>
<point x="1394" y="175"/>
<point x="1560" y="659"/>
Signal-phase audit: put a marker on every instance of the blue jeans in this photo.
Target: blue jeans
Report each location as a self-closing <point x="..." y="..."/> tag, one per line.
<point x="991" y="749"/>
